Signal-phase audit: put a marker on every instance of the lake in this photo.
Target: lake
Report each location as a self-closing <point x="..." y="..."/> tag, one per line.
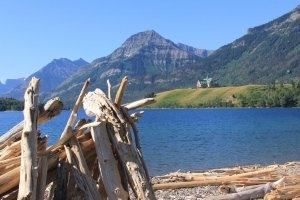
<point x="193" y="139"/>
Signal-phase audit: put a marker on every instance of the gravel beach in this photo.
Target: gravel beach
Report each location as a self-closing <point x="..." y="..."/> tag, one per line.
<point x="197" y="193"/>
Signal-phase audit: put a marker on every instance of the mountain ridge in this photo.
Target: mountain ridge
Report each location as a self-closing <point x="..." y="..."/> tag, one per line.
<point x="142" y="57"/>
<point x="51" y="76"/>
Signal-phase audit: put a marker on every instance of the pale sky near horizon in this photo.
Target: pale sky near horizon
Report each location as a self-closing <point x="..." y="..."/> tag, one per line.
<point x="35" y="32"/>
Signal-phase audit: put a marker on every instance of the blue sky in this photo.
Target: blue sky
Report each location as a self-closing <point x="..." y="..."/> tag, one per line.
<point x="35" y="32"/>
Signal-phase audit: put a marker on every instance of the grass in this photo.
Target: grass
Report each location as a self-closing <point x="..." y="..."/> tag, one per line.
<point x="194" y="97"/>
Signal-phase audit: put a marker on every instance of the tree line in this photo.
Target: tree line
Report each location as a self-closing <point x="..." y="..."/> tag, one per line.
<point x="272" y="96"/>
<point x="10" y="104"/>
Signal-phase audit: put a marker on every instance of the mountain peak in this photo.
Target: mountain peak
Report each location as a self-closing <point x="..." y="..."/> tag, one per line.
<point x="145" y="38"/>
<point x="80" y="62"/>
<point x="141" y="40"/>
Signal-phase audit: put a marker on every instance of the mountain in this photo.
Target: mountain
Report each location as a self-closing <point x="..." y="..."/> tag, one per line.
<point x="51" y="76"/>
<point x="199" y="52"/>
<point x="142" y="57"/>
<point x="266" y="54"/>
<point x="10" y="84"/>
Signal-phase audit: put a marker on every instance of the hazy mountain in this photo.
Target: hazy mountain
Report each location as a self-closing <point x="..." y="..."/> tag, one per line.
<point x="199" y="52"/>
<point x="142" y="57"/>
<point x="51" y="76"/>
<point x="10" y="84"/>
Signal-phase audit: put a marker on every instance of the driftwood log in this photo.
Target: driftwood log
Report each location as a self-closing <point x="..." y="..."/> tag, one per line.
<point x="29" y="164"/>
<point x="108" y="164"/>
<point x="96" y="103"/>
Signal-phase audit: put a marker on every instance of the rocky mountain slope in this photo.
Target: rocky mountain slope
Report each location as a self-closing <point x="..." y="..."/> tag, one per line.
<point x="53" y="74"/>
<point x="142" y="58"/>
<point x="266" y="54"/>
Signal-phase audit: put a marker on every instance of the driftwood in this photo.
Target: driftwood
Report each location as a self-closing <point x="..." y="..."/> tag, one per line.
<point x="96" y="103"/>
<point x="28" y="175"/>
<point x="139" y="103"/>
<point x="108" y="165"/>
<point x="61" y="192"/>
<point x="250" y="192"/>
<point x="108" y="89"/>
<point x="42" y="172"/>
<point x="27" y="164"/>
<point x="81" y="172"/>
<point x="74" y="112"/>
<point x="120" y="92"/>
<point x="287" y="192"/>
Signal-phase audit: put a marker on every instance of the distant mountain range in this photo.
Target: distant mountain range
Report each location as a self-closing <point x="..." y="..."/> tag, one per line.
<point x="266" y="54"/>
<point x="10" y="84"/>
<point x="51" y="76"/>
<point x="142" y="57"/>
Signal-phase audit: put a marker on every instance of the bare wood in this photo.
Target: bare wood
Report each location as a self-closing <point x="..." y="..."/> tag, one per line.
<point x="135" y="116"/>
<point x="28" y="175"/>
<point x="96" y="103"/>
<point x="247" y="194"/>
<point x="139" y="103"/>
<point x="108" y="89"/>
<point x="251" y="192"/>
<point x="11" y="196"/>
<point x="200" y="177"/>
<point x="137" y="141"/>
<point x="108" y="165"/>
<point x="119" y="95"/>
<point x="212" y="180"/>
<point x="61" y="192"/>
<point x="9" y="161"/>
<point x="9" y="180"/>
<point x="51" y="109"/>
<point x="81" y="171"/>
<point x="42" y="172"/>
<point x="77" y="105"/>
<point x="287" y="192"/>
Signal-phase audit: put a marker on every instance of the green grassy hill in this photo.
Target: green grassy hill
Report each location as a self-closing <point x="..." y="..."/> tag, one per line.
<point x="239" y="96"/>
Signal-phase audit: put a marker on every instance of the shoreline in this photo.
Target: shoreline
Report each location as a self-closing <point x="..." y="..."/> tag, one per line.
<point x="289" y="170"/>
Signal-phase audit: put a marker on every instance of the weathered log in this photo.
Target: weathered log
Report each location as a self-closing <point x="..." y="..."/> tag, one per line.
<point x="28" y="175"/>
<point x="108" y="164"/>
<point x="42" y="172"/>
<point x="200" y="177"/>
<point x="9" y="180"/>
<point x="139" y="103"/>
<point x="96" y="103"/>
<point x="76" y="107"/>
<point x="81" y="172"/>
<point x="11" y="196"/>
<point x="135" y="116"/>
<point x="108" y="89"/>
<point x="286" y="192"/>
<point x="119" y="95"/>
<point x="137" y="141"/>
<point x="51" y="109"/>
<point x="62" y="176"/>
<point x="250" y="193"/>
<point x="12" y="150"/>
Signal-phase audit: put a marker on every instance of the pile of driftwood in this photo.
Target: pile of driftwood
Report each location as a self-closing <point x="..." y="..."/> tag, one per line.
<point x="247" y="182"/>
<point x="98" y="159"/>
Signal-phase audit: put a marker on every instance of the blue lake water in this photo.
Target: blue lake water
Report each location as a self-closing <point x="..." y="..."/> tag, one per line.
<point x="192" y="139"/>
